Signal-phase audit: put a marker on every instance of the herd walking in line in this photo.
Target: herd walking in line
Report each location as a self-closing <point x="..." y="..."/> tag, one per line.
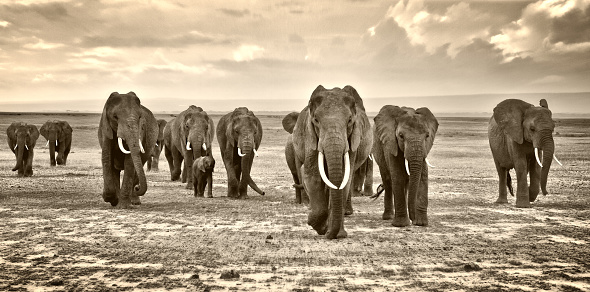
<point x="330" y="152"/>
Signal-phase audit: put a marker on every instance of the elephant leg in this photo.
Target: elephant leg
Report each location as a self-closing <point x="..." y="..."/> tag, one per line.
<point x="230" y="168"/>
<point x="368" y="187"/>
<point x="388" y="197"/>
<point x="149" y="164"/>
<point x="243" y="184"/>
<point x="399" y="188"/>
<point x="210" y="185"/>
<point x="196" y="187"/>
<point x="502" y="181"/>
<point x="296" y="185"/>
<point x="169" y="159"/>
<point x="318" y="202"/>
<point x="177" y="164"/>
<point x="111" y="178"/>
<point x="66" y="153"/>
<point x="421" y="207"/>
<point x="522" y="190"/>
<point x="29" y="164"/>
<point x="348" y="210"/>
<point x="155" y="160"/>
<point x="359" y="179"/>
<point x="127" y="185"/>
<point x="535" y="180"/>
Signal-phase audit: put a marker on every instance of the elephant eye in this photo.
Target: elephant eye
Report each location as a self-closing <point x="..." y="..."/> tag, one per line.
<point x="401" y="135"/>
<point x="427" y="135"/>
<point x="532" y="129"/>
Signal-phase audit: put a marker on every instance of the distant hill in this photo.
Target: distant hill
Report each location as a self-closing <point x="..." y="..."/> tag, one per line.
<point x="562" y="104"/>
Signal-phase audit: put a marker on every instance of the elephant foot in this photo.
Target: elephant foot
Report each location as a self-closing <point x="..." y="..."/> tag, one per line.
<point x="387" y="215"/>
<point x="401" y="221"/>
<point x="421" y="220"/>
<point x="124" y="203"/>
<point x="135" y="201"/>
<point x="243" y="197"/>
<point x="523" y="204"/>
<point x="209" y="195"/>
<point x="337" y="235"/>
<point x="532" y="197"/>
<point x="322" y="229"/>
<point x="189" y="186"/>
<point x="110" y="198"/>
<point x="348" y="212"/>
<point x="15" y="168"/>
<point x="501" y="201"/>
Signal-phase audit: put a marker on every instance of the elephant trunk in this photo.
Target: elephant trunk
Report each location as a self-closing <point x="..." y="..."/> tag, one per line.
<point x="20" y="150"/>
<point x="334" y="160"/>
<point x="52" y="143"/>
<point x="246" y="167"/>
<point x="548" y="147"/>
<point x="196" y="146"/>
<point x="415" y="158"/>
<point x="133" y="143"/>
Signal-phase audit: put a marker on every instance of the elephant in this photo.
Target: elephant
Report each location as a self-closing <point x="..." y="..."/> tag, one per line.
<point x="403" y="139"/>
<point x="22" y="138"/>
<point x="517" y="131"/>
<point x="191" y="134"/>
<point x="152" y="162"/>
<point x="333" y="125"/>
<point x="125" y="123"/>
<point x="239" y="134"/>
<point x="363" y="179"/>
<point x="202" y="175"/>
<point x="288" y="124"/>
<point x="59" y="139"/>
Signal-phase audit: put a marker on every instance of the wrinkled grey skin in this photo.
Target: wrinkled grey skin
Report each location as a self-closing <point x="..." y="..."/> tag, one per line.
<point x="515" y="129"/>
<point x="404" y="134"/>
<point x="59" y="137"/>
<point x="124" y="117"/>
<point x="288" y="124"/>
<point x="202" y="175"/>
<point x="194" y="126"/>
<point x="240" y="128"/>
<point x="334" y="123"/>
<point x="22" y="136"/>
<point x="153" y="161"/>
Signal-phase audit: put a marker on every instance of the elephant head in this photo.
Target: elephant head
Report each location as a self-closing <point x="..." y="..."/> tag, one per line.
<point x="408" y="132"/>
<point x="523" y="122"/>
<point x="196" y="132"/>
<point x="122" y="120"/>
<point x="56" y="133"/>
<point x="22" y="137"/>
<point x="334" y="130"/>
<point x="155" y="159"/>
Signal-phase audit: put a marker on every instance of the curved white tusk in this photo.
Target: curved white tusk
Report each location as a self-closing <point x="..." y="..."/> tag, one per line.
<point x="15" y="147"/>
<point x="121" y="146"/>
<point x="428" y="162"/>
<point x="55" y="142"/>
<point x="188" y="145"/>
<point x="557" y="160"/>
<point x="47" y="144"/>
<point x="141" y="147"/>
<point x="346" y="170"/>
<point x="157" y="144"/>
<point x="240" y="152"/>
<point x="323" y="171"/>
<point x="204" y="146"/>
<point x="371" y="156"/>
<point x="255" y="152"/>
<point x="537" y="157"/>
<point x="407" y="167"/>
<point x="26" y="146"/>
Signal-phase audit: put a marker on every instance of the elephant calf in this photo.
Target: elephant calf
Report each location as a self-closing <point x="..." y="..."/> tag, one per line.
<point x="203" y="175"/>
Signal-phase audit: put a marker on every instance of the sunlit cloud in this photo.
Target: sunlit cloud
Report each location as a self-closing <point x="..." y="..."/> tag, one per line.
<point x="42" y="45"/>
<point x="4" y="23"/>
<point x="248" y="53"/>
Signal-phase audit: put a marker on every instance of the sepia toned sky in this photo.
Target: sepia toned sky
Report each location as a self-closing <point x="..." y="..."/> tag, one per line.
<point x="84" y="50"/>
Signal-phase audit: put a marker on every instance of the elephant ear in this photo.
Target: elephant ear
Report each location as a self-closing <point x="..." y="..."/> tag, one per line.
<point x="11" y="131"/>
<point x="34" y="133"/>
<point x="65" y="127"/>
<point x="258" y="136"/>
<point x="509" y="115"/>
<point x="431" y="124"/>
<point x="357" y="121"/>
<point x="311" y="137"/>
<point x="543" y="103"/>
<point x="385" y="127"/>
<point x="105" y="126"/>
<point x="289" y="122"/>
<point x="161" y="126"/>
<point x="229" y="130"/>
<point x="357" y="98"/>
<point x="43" y="130"/>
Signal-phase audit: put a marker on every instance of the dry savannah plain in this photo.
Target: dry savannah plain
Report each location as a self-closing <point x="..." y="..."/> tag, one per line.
<point x="57" y="234"/>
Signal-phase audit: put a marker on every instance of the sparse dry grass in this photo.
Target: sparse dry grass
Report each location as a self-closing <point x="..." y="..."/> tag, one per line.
<point x="56" y="233"/>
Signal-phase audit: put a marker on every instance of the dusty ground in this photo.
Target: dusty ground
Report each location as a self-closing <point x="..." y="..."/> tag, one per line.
<point x="57" y="234"/>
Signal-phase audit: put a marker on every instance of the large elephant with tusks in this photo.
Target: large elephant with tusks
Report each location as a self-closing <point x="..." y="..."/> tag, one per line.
<point x="239" y="134"/>
<point x="127" y="134"/>
<point x="332" y="139"/>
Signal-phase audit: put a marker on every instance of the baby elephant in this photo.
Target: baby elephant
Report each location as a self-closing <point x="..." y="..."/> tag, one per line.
<point x="203" y="175"/>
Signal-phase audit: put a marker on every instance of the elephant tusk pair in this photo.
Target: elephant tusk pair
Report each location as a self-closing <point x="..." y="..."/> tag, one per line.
<point x="408" y="168"/>
<point x="539" y="161"/>
<point x="323" y="171"/>
<point x="120" y="140"/>
<point x="242" y="154"/>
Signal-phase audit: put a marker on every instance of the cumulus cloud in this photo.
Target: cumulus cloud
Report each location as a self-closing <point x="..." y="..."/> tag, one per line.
<point x="547" y="27"/>
<point x="456" y="27"/>
<point x="42" y="45"/>
<point x="248" y="53"/>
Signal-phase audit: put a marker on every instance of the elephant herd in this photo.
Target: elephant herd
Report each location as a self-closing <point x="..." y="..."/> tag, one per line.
<point x="330" y="152"/>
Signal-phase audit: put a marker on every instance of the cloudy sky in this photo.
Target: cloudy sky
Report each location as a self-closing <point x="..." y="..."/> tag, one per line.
<point x="78" y="50"/>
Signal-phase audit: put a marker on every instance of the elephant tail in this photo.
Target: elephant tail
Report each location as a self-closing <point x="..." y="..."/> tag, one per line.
<point x="380" y="190"/>
<point x="509" y="183"/>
